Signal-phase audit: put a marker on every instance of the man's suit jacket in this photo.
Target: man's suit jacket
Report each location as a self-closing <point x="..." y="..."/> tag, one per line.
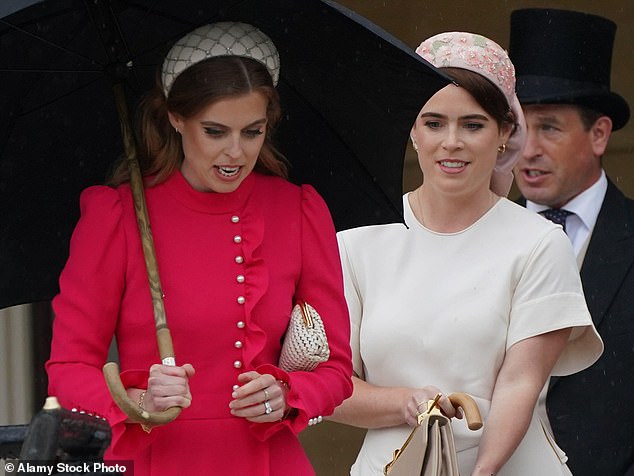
<point x="592" y="412"/>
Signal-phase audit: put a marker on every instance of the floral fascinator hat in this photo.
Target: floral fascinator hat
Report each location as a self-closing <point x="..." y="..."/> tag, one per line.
<point x="479" y="54"/>
<point x="220" y="39"/>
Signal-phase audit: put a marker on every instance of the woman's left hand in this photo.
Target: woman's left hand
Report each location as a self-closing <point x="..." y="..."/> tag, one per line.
<point x="260" y="398"/>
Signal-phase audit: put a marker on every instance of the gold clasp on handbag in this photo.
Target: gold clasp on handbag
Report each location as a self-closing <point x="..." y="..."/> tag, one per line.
<point x="308" y="320"/>
<point x="432" y="407"/>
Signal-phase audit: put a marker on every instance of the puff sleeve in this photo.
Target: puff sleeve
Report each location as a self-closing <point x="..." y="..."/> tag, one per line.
<point x="87" y="308"/>
<point x="319" y="392"/>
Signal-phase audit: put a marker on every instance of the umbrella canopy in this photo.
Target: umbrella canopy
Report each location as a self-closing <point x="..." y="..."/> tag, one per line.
<point x="7" y="7"/>
<point x="349" y="91"/>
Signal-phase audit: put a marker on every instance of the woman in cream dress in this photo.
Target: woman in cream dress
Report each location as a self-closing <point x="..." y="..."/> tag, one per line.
<point x="474" y="294"/>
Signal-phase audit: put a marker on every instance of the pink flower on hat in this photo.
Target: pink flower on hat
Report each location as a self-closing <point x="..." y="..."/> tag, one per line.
<point x="473" y="52"/>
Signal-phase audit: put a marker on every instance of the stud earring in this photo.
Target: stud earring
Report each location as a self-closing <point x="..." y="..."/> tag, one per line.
<point x="502" y="149"/>
<point x="177" y="130"/>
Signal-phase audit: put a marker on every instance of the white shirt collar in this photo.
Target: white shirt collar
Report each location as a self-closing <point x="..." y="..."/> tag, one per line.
<point x="586" y="205"/>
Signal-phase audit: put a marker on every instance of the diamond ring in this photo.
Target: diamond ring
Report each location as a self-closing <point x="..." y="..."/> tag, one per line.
<point x="267" y="407"/>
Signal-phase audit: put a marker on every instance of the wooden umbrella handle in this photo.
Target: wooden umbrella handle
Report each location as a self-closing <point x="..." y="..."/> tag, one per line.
<point x="130" y="407"/>
<point x="166" y="349"/>
<point x="470" y="408"/>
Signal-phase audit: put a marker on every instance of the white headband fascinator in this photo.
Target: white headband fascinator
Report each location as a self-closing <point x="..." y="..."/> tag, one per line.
<point x="220" y="39"/>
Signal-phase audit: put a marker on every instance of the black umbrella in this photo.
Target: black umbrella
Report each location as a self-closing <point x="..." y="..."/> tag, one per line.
<point x="7" y="7"/>
<point x="350" y="92"/>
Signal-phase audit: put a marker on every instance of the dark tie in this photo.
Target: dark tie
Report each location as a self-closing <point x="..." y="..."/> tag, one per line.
<point x="557" y="215"/>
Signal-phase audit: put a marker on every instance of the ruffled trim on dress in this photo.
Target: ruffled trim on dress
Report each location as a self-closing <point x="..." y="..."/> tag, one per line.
<point x="319" y="392"/>
<point x="257" y="279"/>
<point x="257" y="285"/>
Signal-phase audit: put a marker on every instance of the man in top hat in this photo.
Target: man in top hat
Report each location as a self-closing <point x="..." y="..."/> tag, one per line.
<point x="562" y="60"/>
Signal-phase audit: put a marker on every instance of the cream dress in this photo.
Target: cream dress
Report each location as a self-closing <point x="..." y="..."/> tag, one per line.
<point x="441" y="309"/>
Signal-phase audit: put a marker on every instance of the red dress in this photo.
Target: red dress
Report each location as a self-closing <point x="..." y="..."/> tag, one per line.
<point x="270" y="243"/>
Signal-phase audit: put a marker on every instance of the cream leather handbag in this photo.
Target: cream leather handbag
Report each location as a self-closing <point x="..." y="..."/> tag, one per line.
<point x="429" y="449"/>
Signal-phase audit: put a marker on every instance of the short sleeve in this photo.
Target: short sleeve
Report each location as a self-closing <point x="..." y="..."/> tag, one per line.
<point x="549" y="297"/>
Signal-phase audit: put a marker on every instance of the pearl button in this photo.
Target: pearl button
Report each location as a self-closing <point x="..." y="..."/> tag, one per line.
<point x="237" y="239"/>
<point x="241" y="300"/>
<point x="320" y="419"/>
<point x="240" y="324"/>
<point x="237" y="364"/>
<point x="239" y="259"/>
<point x="238" y="344"/>
<point x="235" y="219"/>
<point x="240" y="278"/>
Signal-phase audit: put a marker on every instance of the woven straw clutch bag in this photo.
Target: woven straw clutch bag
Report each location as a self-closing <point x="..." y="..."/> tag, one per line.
<point x="305" y="344"/>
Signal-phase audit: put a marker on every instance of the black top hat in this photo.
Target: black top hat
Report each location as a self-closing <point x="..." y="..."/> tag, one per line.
<point x="565" y="57"/>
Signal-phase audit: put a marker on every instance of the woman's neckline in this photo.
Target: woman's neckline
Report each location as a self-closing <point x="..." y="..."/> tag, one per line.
<point x="418" y="219"/>
<point x="208" y="202"/>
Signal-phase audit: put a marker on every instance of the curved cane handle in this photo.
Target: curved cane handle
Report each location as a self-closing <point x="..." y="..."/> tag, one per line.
<point x="125" y="403"/>
<point x="131" y="408"/>
<point x="470" y="408"/>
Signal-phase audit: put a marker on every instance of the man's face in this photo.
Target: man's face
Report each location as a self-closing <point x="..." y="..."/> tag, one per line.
<point x="561" y="158"/>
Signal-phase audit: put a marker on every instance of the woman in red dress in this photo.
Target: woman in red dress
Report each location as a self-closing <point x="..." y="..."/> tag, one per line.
<point x="237" y="245"/>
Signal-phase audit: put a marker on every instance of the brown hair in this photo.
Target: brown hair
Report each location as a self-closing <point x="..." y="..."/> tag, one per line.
<point x="588" y="116"/>
<point x="486" y="94"/>
<point x="159" y="145"/>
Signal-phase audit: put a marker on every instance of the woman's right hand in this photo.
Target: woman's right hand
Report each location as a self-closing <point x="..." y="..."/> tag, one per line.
<point x="417" y="403"/>
<point x="168" y="386"/>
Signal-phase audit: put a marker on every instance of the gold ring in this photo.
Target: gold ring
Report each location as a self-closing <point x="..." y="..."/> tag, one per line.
<point x="266" y="394"/>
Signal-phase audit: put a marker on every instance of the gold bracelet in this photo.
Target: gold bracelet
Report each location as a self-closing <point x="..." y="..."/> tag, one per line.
<point x="146" y="428"/>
